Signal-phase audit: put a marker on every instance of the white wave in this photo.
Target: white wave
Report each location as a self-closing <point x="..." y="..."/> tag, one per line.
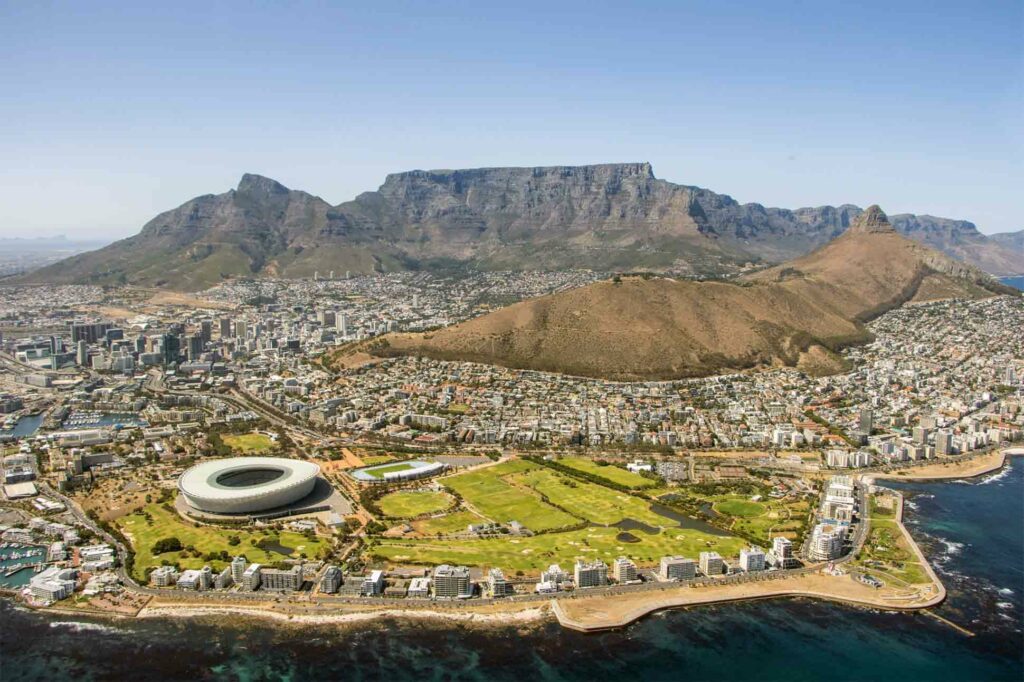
<point x="1004" y="605"/>
<point x="910" y="505"/>
<point x="1005" y="591"/>
<point x="79" y="626"/>
<point x="998" y="476"/>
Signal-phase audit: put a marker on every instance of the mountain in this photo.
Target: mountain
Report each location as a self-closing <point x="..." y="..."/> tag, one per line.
<point x="1014" y="241"/>
<point x="654" y="328"/>
<point x="604" y="217"/>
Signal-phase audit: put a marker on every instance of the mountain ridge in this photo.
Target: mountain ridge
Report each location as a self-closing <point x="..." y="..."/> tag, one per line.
<point x="605" y="217"/>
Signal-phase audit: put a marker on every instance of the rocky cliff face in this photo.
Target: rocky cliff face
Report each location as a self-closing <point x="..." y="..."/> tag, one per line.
<point x="605" y="217"/>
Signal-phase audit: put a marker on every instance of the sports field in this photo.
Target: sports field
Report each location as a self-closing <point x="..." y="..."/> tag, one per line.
<point x="379" y="472"/>
<point x="493" y="493"/>
<point x="611" y="472"/>
<point x="409" y="504"/>
<point x="544" y="499"/>
<point x="144" y="533"/>
<point x="532" y="554"/>
<point x="886" y="554"/>
<point x="248" y="443"/>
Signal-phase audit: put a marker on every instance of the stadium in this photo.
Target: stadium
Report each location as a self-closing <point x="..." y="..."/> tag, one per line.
<point x="244" y="485"/>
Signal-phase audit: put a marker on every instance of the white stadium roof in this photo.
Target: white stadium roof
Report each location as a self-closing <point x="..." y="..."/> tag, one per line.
<point x="238" y="485"/>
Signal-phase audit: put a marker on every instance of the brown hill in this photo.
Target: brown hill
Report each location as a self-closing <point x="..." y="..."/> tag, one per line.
<point x="797" y="314"/>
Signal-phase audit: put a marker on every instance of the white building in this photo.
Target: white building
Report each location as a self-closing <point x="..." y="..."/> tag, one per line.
<point x="711" y="563"/>
<point x="498" y="585"/>
<point x="592" y="574"/>
<point x="53" y="584"/>
<point x="452" y="582"/>
<point x="781" y="554"/>
<point x="96" y="557"/>
<point x="373" y="584"/>
<point x="419" y="588"/>
<point x="826" y="542"/>
<point x="752" y="559"/>
<point x="624" y="570"/>
<point x="251" y="577"/>
<point x="164" y="576"/>
<point x="677" y="568"/>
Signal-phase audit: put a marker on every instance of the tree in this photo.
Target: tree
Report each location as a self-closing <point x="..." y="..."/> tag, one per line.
<point x="171" y="544"/>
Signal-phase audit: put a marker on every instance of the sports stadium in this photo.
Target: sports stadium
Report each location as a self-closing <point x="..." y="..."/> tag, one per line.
<point x="243" y="485"/>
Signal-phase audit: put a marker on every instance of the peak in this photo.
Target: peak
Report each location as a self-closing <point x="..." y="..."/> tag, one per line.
<point x="258" y="184"/>
<point x="872" y="220"/>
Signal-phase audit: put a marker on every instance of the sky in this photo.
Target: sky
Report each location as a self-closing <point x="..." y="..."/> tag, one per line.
<point x="112" y="113"/>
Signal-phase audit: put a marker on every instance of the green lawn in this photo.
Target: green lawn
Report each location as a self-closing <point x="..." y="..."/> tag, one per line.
<point x="379" y="473"/>
<point x="491" y="491"/>
<point x="590" y="501"/>
<point x="740" y="507"/>
<point x="409" y="504"/>
<point x="887" y="554"/>
<point x="144" y="534"/>
<point x="376" y="459"/>
<point x="249" y="443"/>
<point x="456" y="522"/>
<point x="611" y="472"/>
<point x="531" y="554"/>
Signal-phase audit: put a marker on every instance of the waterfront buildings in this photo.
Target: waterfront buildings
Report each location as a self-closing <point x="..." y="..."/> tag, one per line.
<point x="330" y="582"/>
<point x="781" y="554"/>
<point x="164" y="576"/>
<point x="826" y="542"/>
<point x="497" y="585"/>
<point x="276" y="579"/>
<point x="590" y="574"/>
<point x="752" y="559"/>
<point x="677" y="568"/>
<point x="711" y="564"/>
<point x="251" y="577"/>
<point x="373" y="584"/>
<point x="452" y="582"/>
<point x="53" y="584"/>
<point x="624" y="570"/>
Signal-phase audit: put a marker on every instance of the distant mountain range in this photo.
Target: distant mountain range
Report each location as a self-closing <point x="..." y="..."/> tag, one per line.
<point x="605" y="217"/>
<point x="797" y="314"/>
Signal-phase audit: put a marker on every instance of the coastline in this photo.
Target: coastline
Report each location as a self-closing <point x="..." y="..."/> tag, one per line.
<point x="597" y="612"/>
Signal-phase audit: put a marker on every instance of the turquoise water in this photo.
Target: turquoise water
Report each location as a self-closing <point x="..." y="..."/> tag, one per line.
<point x="26" y="426"/>
<point x="974" y="530"/>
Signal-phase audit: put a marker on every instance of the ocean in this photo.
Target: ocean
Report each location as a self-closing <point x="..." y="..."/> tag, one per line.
<point x="973" y="530"/>
<point x="1017" y="282"/>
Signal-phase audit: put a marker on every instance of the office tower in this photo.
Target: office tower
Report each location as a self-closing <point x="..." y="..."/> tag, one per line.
<point x="866" y="422"/>
<point x="82" y="354"/>
<point x="225" y="327"/>
<point x="206" y="330"/>
<point x="195" y="347"/>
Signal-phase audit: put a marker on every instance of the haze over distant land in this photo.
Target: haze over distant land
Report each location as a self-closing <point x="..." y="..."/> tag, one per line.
<point x="115" y="114"/>
<point x="605" y="217"/>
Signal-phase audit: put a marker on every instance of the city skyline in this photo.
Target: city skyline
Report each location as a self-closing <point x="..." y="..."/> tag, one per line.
<point x="121" y="113"/>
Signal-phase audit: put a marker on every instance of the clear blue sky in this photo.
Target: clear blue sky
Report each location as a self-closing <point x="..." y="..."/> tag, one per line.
<point x="110" y="114"/>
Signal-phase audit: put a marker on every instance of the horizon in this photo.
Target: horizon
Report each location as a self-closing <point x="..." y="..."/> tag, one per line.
<point x="122" y="113"/>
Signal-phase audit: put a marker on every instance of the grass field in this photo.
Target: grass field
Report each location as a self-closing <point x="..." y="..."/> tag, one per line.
<point x="762" y="519"/>
<point x="144" y="534"/>
<point x="379" y="473"/>
<point x="590" y="501"/>
<point x="886" y="553"/>
<point x="612" y="473"/>
<point x="408" y="504"/>
<point x="456" y="522"/>
<point x="248" y="443"/>
<point x="532" y="554"/>
<point x="492" y="492"/>
<point x="741" y="508"/>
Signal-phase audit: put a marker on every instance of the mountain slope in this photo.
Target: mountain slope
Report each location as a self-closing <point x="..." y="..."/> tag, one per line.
<point x="604" y="217"/>
<point x="657" y="328"/>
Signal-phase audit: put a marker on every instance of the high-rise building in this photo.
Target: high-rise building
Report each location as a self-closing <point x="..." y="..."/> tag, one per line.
<point x="943" y="443"/>
<point x="330" y="582"/>
<point x="225" y="327"/>
<point x="164" y="576"/>
<point x="82" y="353"/>
<point x="498" y="585"/>
<point x="342" y="324"/>
<point x="752" y="559"/>
<point x="781" y="554"/>
<point x="624" y="570"/>
<point x="554" y="574"/>
<point x="452" y="582"/>
<point x="251" y="577"/>
<point x="89" y="332"/>
<point x="921" y="434"/>
<point x="195" y="347"/>
<point x="276" y="579"/>
<point x="223" y="579"/>
<point x="865" y="423"/>
<point x="237" y="569"/>
<point x="826" y="542"/>
<point x="206" y="330"/>
<point x="590" y="574"/>
<point x="677" y="568"/>
<point x="711" y="563"/>
<point x="241" y="329"/>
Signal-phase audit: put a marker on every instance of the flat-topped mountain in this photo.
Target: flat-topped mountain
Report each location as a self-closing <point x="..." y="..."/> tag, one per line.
<point x="605" y="217"/>
<point x="796" y="314"/>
